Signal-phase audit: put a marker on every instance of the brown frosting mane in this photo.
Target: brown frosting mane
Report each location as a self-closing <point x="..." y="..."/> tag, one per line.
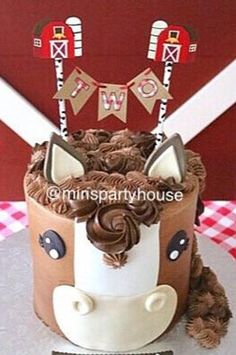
<point x="208" y="310"/>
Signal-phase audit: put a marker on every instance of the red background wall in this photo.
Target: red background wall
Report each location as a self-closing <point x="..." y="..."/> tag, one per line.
<point x="115" y="41"/>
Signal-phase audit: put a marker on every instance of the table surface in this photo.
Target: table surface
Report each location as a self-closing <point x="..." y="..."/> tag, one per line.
<point x="217" y="223"/>
<point x="21" y="333"/>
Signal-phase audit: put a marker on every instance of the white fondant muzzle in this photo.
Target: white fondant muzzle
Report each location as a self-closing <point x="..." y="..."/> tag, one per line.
<point x="113" y="323"/>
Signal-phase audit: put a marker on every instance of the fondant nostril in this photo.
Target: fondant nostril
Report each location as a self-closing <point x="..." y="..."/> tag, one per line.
<point x="155" y="302"/>
<point x="84" y="305"/>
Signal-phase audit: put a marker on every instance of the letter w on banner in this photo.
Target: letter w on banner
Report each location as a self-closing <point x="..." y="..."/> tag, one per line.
<point x="112" y="101"/>
<point x="77" y="88"/>
<point x="148" y="88"/>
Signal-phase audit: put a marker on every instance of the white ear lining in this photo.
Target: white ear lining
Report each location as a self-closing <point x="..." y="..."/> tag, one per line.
<point x="168" y="160"/>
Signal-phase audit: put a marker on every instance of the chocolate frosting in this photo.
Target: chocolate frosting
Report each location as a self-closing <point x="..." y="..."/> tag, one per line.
<point x="124" y="160"/>
<point x="208" y="309"/>
<point x="82" y="209"/>
<point x="90" y="140"/>
<point x="115" y="261"/>
<point x="147" y="212"/>
<point x="121" y="141"/>
<point x="59" y="206"/>
<point x="113" y="229"/>
<point x="69" y="183"/>
<point x="196" y="167"/>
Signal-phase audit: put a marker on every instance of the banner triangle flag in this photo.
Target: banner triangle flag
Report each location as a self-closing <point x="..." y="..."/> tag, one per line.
<point x="112" y="101"/>
<point x="148" y="89"/>
<point x="78" y="88"/>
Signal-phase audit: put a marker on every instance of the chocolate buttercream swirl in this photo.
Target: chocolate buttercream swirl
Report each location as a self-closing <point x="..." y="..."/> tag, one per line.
<point x="115" y="261"/>
<point x="113" y="229"/>
<point x="170" y="184"/>
<point x="76" y="136"/>
<point x="123" y="132"/>
<point x="128" y="185"/>
<point x="82" y="209"/>
<point x="98" y="176"/>
<point x="124" y="160"/>
<point x="94" y="161"/>
<point x="90" y="140"/>
<point x="136" y="176"/>
<point x="121" y="141"/>
<point x="195" y="326"/>
<point x="108" y="147"/>
<point x="139" y="180"/>
<point x="86" y="185"/>
<point x="40" y="194"/>
<point x="37" y="158"/>
<point x="208" y="338"/>
<point x="37" y="188"/>
<point x="196" y="266"/>
<point x="115" y="179"/>
<point x="218" y="325"/>
<point x="31" y="177"/>
<point x="32" y="188"/>
<point x="101" y="134"/>
<point x="69" y="183"/>
<point x="38" y="155"/>
<point x="189" y="183"/>
<point x="59" y="206"/>
<point x="36" y="166"/>
<point x="145" y="142"/>
<point x="145" y="211"/>
<point x="196" y="167"/>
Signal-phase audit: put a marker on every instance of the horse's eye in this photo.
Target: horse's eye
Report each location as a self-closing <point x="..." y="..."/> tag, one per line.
<point x="53" y="244"/>
<point x="177" y="245"/>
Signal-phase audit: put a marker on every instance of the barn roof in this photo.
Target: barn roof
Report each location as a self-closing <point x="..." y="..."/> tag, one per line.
<point x="40" y="25"/>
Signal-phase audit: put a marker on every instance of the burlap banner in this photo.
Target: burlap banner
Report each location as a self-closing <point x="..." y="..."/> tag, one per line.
<point x="112" y="98"/>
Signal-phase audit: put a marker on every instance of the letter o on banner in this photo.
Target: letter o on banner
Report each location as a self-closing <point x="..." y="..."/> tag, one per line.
<point x="148" y="88"/>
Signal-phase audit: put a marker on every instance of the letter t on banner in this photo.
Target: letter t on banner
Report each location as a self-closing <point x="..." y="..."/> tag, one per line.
<point x="112" y="101"/>
<point x="77" y="88"/>
<point x="148" y="88"/>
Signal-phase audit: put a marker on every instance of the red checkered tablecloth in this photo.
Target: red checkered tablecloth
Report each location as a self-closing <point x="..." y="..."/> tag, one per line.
<point x="218" y="222"/>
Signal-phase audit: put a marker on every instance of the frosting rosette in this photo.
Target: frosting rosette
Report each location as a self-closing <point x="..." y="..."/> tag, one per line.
<point x="82" y="209"/>
<point x="113" y="229"/>
<point x="145" y="211"/>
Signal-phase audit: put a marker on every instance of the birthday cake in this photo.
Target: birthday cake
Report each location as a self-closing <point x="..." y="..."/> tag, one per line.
<point x="115" y="270"/>
<point x="112" y="214"/>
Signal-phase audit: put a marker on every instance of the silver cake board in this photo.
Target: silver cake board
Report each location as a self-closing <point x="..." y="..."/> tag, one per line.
<point x="21" y="333"/>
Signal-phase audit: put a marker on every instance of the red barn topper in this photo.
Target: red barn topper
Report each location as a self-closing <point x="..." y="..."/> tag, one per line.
<point x="176" y="44"/>
<point x="170" y="44"/>
<point x="58" y="40"/>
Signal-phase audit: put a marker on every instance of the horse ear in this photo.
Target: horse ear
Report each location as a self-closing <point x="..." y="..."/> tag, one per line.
<point x="62" y="160"/>
<point x="168" y="160"/>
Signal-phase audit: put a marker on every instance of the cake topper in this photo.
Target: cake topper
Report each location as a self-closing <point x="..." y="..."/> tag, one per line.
<point x="62" y="160"/>
<point x="112" y="98"/>
<point x="170" y="44"/>
<point x="168" y="160"/>
<point x="58" y="40"/>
